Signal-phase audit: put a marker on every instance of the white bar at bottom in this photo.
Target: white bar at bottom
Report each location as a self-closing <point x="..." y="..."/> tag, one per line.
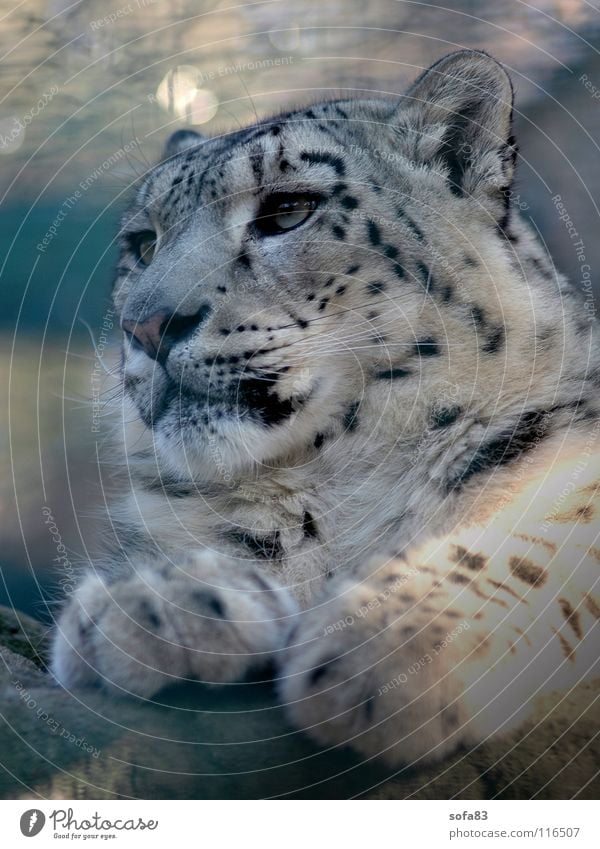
<point x="294" y="824"/>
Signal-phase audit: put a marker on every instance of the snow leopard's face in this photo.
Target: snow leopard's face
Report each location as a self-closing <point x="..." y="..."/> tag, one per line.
<point x="269" y="277"/>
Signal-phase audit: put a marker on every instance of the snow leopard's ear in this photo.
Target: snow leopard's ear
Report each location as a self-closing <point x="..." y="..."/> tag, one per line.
<point x="179" y="141"/>
<point x="459" y="113"/>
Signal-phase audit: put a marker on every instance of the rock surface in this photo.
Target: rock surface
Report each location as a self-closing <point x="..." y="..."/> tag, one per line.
<point x="234" y="742"/>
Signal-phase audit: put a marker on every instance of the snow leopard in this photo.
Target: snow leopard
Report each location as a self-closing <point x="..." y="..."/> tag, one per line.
<point x="357" y="451"/>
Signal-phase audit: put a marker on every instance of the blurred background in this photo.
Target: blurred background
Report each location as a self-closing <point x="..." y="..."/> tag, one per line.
<point x="88" y="93"/>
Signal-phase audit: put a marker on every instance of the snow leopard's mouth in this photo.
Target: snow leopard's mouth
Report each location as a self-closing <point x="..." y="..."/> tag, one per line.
<point x="249" y="398"/>
<point x="215" y="435"/>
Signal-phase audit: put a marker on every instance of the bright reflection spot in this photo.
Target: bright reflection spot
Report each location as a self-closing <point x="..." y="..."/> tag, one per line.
<point x="12" y="134"/>
<point x="179" y="95"/>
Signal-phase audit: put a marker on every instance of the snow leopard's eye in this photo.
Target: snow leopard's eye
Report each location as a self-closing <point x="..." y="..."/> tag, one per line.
<point x="144" y="246"/>
<point x="280" y="213"/>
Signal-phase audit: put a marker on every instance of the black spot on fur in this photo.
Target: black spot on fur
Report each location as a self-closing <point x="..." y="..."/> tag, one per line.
<point x="350" y="420"/>
<point x="373" y="233"/>
<point x="478" y="315"/>
<point x="338" y="232"/>
<point x="427" y="348"/>
<point x="462" y="556"/>
<point x="528" y="571"/>
<point x="266" y="547"/>
<point x="447" y="293"/>
<point x="459" y="578"/>
<point x="376" y="287"/>
<point x="244" y="260"/>
<point x="210" y="600"/>
<point x="445" y="417"/>
<point x="339" y="188"/>
<point x="398" y="270"/>
<point x="353" y="269"/>
<point x="261" y="398"/>
<point x="426" y="275"/>
<point x="130" y="381"/>
<point x="324" y="158"/>
<point x="494" y="335"/>
<point x="319" y="440"/>
<point x="349" y="202"/>
<point x="572" y="617"/>
<point x="506" y="447"/>
<point x="392" y="374"/>
<point x="410" y="224"/>
<point x="494" y="340"/>
<point x="309" y="526"/>
<point x="318" y="672"/>
<point x="150" y="615"/>
<point x="453" y="151"/>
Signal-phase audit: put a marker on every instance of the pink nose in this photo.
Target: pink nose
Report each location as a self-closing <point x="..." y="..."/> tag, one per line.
<point x="158" y="333"/>
<point x="148" y="334"/>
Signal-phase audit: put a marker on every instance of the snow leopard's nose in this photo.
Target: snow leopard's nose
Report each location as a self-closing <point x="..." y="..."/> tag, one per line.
<point x="157" y="333"/>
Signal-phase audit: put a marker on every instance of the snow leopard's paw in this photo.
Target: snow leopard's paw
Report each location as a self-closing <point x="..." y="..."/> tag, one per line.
<point x="205" y="619"/>
<point x="366" y="670"/>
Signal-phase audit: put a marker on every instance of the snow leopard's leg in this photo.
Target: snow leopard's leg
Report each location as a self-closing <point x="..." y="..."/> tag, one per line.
<point x="443" y="646"/>
<point x="207" y="618"/>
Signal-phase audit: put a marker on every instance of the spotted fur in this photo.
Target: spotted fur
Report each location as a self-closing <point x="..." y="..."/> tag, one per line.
<point x="366" y="447"/>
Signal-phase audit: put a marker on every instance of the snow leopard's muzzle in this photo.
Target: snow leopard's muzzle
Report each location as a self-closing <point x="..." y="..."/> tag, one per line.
<point x="169" y="373"/>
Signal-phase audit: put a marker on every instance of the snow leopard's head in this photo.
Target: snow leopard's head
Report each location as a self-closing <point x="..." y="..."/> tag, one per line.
<point x="276" y="281"/>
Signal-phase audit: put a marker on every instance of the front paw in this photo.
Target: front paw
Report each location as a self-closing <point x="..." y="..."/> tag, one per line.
<point x="367" y="669"/>
<point x="204" y="619"/>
